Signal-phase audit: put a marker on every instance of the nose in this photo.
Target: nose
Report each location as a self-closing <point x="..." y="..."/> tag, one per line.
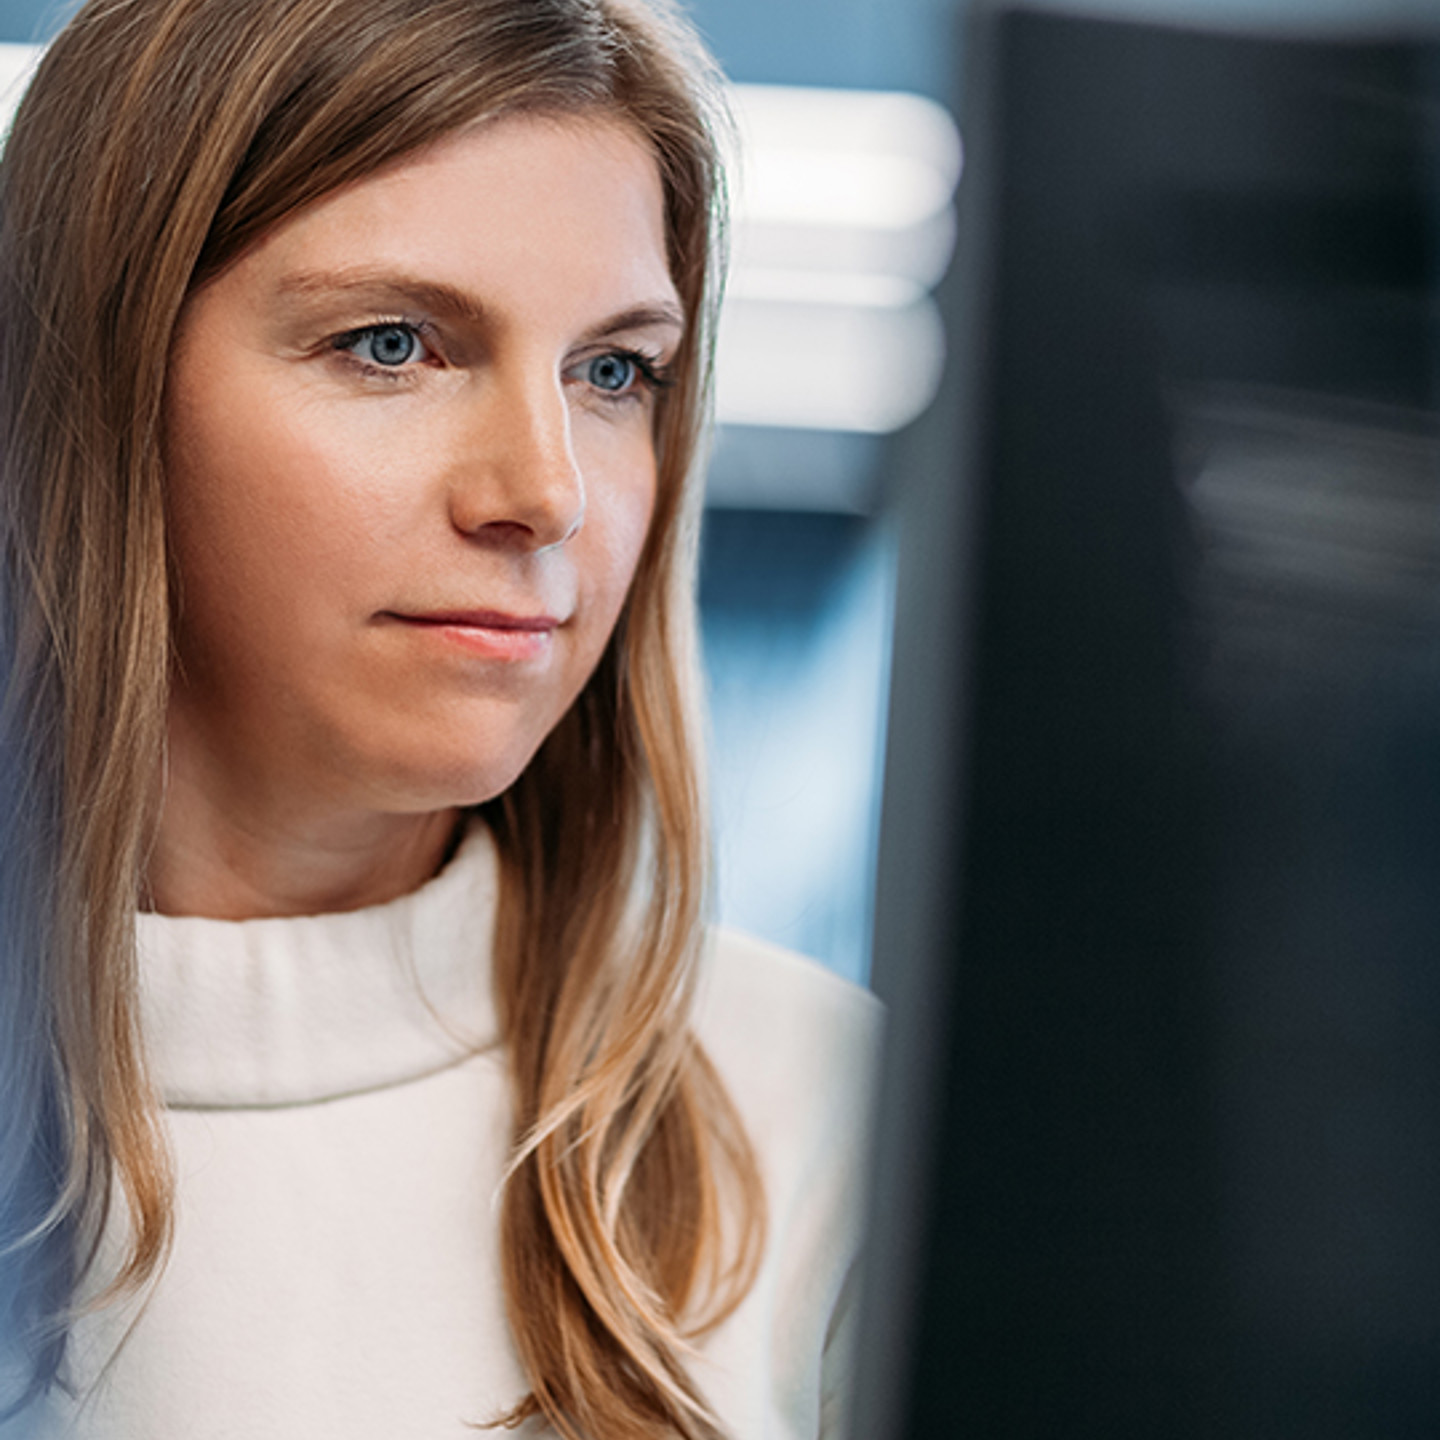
<point x="515" y="479"/>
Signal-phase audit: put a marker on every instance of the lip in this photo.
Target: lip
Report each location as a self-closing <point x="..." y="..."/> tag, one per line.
<point x="489" y="634"/>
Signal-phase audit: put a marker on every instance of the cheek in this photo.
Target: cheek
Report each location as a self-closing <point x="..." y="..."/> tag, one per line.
<point x="263" y="514"/>
<point x="618" y="518"/>
<point x="247" y="473"/>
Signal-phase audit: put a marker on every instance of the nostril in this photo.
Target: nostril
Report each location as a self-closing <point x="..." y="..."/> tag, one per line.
<point x="503" y="534"/>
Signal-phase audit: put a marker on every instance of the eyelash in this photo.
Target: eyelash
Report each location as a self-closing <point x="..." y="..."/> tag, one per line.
<point x="654" y="375"/>
<point x="344" y="345"/>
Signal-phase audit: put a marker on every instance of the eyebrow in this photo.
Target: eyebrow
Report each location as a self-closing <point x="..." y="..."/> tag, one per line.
<point x="382" y="284"/>
<point x="641" y="317"/>
<point x="445" y="299"/>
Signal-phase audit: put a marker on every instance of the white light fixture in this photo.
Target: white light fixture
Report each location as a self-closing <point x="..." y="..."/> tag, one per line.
<point x="867" y="158"/>
<point x="17" y="65"/>
<point x="843" y="223"/>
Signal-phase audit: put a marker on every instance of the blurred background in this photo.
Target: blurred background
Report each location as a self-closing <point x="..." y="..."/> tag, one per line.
<point x="1079" y="474"/>
<point x="832" y="347"/>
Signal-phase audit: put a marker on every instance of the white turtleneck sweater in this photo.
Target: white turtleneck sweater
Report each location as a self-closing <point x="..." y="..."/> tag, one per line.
<point x="339" y="1116"/>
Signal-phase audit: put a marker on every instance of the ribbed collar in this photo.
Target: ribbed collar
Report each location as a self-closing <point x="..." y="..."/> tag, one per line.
<point x="246" y="1013"/>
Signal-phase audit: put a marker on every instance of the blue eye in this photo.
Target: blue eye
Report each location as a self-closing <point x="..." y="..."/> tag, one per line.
<point x="614" y="372"/>
<point x="387" y="345"/>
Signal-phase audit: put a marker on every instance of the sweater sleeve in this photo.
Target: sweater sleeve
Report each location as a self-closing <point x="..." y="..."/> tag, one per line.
<point x="798" y="1048"/>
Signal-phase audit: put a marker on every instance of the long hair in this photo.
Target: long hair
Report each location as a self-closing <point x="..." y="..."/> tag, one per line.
<point x="158" y="140"/>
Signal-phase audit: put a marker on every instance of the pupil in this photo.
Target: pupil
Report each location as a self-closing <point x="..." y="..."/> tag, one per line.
<point x="611" y="372"/>
<point x="393" y="345"/>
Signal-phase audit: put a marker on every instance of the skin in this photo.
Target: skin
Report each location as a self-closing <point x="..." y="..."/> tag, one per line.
<point x="410" y="469"/>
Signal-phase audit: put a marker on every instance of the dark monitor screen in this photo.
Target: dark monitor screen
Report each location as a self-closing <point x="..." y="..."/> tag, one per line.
<point x="1159" y="901"/>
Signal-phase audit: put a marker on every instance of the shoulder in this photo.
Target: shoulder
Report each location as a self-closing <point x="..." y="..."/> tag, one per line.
<point x="798" y="1049"/>
<point x="798" y="1046"/>
<point x="755" y="990"/>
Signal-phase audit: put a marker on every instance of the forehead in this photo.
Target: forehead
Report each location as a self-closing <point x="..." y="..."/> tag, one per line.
<point x="506" y="203"/>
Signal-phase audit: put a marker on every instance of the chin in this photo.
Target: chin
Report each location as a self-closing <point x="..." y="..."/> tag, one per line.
<point x="460" y="783"/>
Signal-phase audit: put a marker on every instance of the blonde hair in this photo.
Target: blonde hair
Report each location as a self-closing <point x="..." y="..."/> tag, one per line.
<point x="159" y="139"/>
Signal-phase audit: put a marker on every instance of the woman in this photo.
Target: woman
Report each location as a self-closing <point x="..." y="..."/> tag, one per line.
<point x="360" y="1076"/>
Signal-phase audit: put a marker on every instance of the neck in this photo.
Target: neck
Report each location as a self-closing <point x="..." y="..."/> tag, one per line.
<point x="229" y="848"/>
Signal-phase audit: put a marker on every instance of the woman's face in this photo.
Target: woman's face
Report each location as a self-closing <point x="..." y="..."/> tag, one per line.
<point x="410" y="468"/>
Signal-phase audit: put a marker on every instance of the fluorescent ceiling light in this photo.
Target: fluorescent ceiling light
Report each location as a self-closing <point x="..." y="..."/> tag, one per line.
<point x="919" y="254"/>
<point x="17" y="65"/>
<point x="825" y="287"/>
<point x="827" y="367"/>
<point x="851" y="158"/>
<point x="843" y="222"/>
<point x="806" y="187"/>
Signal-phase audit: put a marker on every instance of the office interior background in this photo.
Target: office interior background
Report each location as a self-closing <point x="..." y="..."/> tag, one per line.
<point x="832" y="347"/>
<point x="1300" y="1178"/>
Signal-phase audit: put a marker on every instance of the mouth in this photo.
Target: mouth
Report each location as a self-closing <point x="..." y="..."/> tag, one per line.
<point x="487" y="634"/>
<point x="482" y="620"/>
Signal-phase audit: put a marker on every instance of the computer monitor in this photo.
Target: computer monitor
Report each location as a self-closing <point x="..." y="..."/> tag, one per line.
<point x="1158" y="916"/>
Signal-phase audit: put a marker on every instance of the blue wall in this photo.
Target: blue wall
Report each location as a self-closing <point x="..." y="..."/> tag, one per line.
<point x="28" y="20"/>
<point x="867" y="44"/>
<point x="796" y="612"/>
